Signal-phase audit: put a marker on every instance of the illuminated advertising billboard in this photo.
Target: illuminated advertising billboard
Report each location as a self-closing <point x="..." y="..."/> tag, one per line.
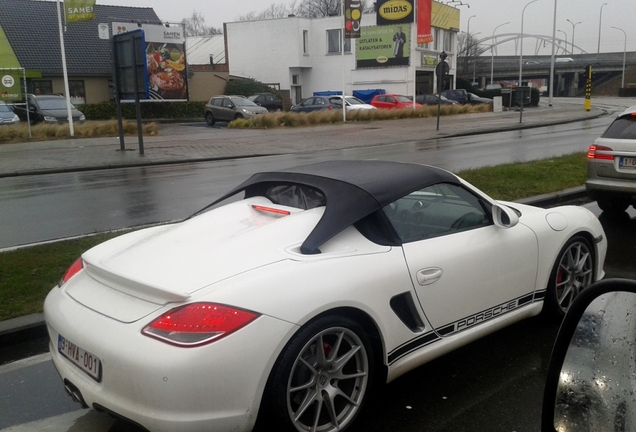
<point x="383" y="46"/>
<point x="165" y="57"/>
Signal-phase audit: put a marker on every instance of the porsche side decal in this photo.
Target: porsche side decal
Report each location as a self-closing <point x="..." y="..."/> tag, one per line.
<point x="412" y="345"/>
<point x="461" y="325"/>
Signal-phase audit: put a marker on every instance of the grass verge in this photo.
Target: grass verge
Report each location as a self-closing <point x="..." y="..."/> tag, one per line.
<point x="28" y="274"/>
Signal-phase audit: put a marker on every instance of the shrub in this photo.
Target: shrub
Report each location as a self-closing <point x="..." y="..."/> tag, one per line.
<point x="149" y="110"/>
<point x="247" y="87"/>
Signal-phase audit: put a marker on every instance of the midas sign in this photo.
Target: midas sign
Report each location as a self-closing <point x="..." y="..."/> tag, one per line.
<point x="395" y="11"/>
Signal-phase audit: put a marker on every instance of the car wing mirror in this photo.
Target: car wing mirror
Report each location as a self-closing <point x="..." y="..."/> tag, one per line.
<point x="504" y="217"/>
<point x="591" y="381"/>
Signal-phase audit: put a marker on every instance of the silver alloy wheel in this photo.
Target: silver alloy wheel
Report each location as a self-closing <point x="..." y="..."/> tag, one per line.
<point x="328" y="381"/>
<point x="574" y="273"/>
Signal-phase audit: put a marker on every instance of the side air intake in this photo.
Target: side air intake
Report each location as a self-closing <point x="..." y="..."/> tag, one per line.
<point x="404" y="308"/>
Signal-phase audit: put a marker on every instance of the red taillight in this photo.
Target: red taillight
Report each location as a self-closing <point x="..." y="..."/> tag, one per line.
<point x="198" y="324"/>
<point x="592" y="152"/>
<point x="72" y="271"/>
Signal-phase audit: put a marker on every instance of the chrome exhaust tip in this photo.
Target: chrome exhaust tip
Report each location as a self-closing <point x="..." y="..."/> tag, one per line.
<point x="74" y="393"/>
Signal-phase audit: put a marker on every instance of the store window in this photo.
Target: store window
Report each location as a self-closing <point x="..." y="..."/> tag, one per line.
<point x="77" y="92"/>
<point x="448" y="41"/>
<point x="41" y="87"/>
<point x="333" y="42"/>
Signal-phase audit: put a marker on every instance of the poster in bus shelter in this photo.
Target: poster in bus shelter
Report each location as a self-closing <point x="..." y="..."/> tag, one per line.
<point x="383" y="46"/>
<point x="166" y="59"/>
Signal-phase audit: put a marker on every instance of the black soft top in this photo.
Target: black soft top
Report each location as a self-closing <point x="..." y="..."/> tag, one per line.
<point x="352" y="190"/>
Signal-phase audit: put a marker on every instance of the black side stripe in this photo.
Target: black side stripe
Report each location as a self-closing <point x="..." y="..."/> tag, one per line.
<point x="539" y="295"/>
<point x="413" y="345"/>
<point x="463" y="324"/>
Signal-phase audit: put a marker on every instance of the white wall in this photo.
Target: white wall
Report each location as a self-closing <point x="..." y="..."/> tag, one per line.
<point x="271" y="51"/>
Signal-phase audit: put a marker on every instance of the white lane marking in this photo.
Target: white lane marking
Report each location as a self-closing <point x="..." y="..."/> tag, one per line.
<point x="29" y="361"/>
<point x="78" y="421"/>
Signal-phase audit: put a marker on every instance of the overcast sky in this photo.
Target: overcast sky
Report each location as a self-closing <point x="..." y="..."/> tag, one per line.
<point x="488" y="15"/>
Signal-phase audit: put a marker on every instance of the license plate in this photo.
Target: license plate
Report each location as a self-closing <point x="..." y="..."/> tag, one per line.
<point x="627" y="162"/>
<point x="81" y="358"/>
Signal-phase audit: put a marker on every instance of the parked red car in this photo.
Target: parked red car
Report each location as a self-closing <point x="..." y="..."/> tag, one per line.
<point x="391" y="101"/>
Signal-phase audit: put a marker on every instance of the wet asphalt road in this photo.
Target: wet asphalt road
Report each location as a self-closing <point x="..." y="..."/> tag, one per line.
<point x="494" y="384"/>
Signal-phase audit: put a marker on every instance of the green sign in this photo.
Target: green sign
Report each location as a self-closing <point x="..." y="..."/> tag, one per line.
<point x="10" y="89"/>
<point x="79" y="10"/>
<point x="383" y="46"/>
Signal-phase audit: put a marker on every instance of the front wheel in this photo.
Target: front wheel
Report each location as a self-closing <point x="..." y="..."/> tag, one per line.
<point x="322" y="378"/>
<point x="573" y="271"/>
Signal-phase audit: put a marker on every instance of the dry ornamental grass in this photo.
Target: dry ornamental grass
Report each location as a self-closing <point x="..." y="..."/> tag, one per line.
<point x="291" y="119"/>
<point x="20" y="133"/>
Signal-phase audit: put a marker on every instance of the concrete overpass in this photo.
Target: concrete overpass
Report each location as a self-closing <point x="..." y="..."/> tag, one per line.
<point x="569" y="68"/>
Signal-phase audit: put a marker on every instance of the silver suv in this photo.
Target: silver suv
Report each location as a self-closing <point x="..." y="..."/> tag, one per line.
<point x="611" y="165"/>
<point x="228" y="108"/>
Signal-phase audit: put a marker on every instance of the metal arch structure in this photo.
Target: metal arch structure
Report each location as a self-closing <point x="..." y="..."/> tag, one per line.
<point x="500" y="39"/>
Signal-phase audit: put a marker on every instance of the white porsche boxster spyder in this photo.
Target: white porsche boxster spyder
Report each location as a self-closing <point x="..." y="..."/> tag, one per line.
<point x="286" y="306"/>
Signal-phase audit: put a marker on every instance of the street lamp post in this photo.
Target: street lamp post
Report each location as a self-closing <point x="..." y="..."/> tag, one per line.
<point x="469" y="42"/>
<point x="565" y="35"/>
<point x="521" y="60"/>
<point x="468" y="27"/>
<point x="600" y="17"/>
<point x="475" y="60"/>
<point x="624" y="51"/>
<point x="492" y="53"/>
<point x="551" y="82"/>
<point x="573" y="27"/>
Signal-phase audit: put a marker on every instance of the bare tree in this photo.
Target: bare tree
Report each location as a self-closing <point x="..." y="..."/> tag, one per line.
<point x="195" y="26"/>
<point x="469" y="51"/>
<point x="319" y="8"/>
<point x="303" y="8"/>
<point x="276" y="10"/>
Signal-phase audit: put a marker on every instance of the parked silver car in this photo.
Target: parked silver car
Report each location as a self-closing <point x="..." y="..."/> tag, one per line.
<point x="611" y="165"/>
<point x="7" y="116"/>
<point x="228" y="108"/>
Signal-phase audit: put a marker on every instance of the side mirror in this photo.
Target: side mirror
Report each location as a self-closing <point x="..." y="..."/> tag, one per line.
<point x="504" y="217"/>
<point x="591" y="381"/>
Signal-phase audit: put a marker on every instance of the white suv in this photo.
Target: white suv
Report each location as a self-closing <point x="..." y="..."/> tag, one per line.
<point x="611" y="165"/>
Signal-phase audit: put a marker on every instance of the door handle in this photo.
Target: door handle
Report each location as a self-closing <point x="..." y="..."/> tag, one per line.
<point x="429" y="275"/>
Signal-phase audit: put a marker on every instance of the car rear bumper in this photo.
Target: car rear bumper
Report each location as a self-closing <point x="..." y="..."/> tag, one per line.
<point x="606" y="188"/>
<point x="163" y="387"/>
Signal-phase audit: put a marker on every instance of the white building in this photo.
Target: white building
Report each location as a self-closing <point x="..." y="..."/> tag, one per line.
<point x="304" y="55"/>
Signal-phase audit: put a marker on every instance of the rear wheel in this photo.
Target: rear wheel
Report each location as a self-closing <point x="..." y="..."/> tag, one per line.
<point x="209" y="119"/>
<point x="573" y="271"/>
<point x="613" y="205"/>
<point x="322" y="378"/>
